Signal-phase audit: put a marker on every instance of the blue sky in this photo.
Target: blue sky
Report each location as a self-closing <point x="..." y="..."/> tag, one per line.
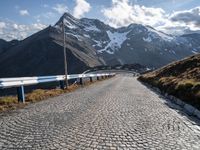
<point x="24" y="17"/>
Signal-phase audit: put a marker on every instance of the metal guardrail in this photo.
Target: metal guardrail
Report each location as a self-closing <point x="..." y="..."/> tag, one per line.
<point x="26" y="81"/>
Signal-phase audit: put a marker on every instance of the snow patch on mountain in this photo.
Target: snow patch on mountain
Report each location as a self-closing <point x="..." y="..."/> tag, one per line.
<point x="194" y="51"/>
<point x="172" y="51"/>
<point x="58" y="27"/>
<point x="74" y="35"/>
<point x="98" y="43"/>
<point x="92" y="28"/>
<point x="86" y="35"/>
<point x="69" y="24"/>
<point x="116" y="41"/>
<point x="148" y="39"/>
<point x="156" y="34"/>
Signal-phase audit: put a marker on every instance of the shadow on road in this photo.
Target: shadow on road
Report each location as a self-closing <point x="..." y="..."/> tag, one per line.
<point x="174" y="106"/>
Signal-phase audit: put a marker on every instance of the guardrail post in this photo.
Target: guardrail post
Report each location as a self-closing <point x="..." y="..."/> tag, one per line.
<point x="62" y="85"/>
<point x="81" y="81"/>
<point x="20" y="94"/>
<point x="90" y="79"/>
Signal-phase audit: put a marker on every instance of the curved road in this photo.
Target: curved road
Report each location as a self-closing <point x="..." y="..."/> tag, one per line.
<point x="119" y="113"/>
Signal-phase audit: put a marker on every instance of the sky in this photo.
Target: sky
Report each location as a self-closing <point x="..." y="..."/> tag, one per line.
<point x="20" y="18"/>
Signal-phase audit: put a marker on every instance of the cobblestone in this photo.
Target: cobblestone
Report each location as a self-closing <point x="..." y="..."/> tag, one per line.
<point x="119" y="113"/>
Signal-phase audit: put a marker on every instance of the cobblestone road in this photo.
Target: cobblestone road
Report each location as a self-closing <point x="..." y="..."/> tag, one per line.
<point x="119" y="113"/>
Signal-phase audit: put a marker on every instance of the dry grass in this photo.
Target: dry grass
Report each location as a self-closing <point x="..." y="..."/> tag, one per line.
<point x="41" y="94"/>
<point x="8" y="100"/>
<point x="181" y="79"/>
<point x="11" y="102"/>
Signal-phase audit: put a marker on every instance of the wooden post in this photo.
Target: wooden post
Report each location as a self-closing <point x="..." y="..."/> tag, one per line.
<point x="65" y="55"/>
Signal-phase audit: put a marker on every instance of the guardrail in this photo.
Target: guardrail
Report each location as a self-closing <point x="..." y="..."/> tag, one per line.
<point x="19" y="83"/>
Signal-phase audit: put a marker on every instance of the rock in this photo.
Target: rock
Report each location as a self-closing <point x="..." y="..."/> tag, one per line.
<point x="190" y="109"/>
<point x="179" y="102"/>
<point x="197" y="113"/>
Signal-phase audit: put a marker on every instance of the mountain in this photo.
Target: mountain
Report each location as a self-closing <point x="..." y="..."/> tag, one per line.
<point x="42" y="54"/>
<point x="133" y="44"/>
<point x="181" y="79"/>
<point x="91" y="43"/>
<point x="4" y="45"/>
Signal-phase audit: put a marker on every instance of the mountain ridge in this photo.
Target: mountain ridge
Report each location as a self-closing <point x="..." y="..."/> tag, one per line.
<point x="91" y="43"/>
<point x="42" y="54"/>
<point x="108" y="40"/>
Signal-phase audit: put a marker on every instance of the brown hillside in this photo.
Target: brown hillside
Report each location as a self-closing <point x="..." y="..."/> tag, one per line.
<point x="181" y="79"/>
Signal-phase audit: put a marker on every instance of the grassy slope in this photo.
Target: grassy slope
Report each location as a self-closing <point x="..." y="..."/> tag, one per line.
<point x="180" y="79"/>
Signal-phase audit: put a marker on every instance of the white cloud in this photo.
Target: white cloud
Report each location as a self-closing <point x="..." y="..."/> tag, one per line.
<point x="82" y="7"/>
<point x="10" y="30"/>
<point x="123" y="13"/>
<point x="189" y="17"/>
<point x="38" y="26"/>
<point x="24" y="12"/>
<point x="45" y="16"/>
<point x="180" y="22"/>
<point x="2" y="25"/>
<point x="60" y="8"/>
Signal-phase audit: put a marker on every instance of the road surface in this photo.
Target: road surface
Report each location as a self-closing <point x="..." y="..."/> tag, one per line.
<point x="119" y="113"/>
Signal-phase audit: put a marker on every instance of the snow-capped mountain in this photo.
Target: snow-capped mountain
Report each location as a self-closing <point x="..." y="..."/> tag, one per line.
<point x="90" y="43"/>
<point x="132" y="44"/>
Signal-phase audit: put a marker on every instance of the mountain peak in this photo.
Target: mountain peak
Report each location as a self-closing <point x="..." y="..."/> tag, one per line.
<point x="67" y="15"/>
<point x="68" y="19"/>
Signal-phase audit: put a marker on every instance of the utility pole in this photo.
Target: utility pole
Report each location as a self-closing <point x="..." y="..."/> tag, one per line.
<point x="65" y="55"/>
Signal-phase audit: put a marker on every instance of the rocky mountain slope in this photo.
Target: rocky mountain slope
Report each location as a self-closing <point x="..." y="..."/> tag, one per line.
<point x="42" y="54"/>
<point x="91" y="43"/>
<point x="133" y="44"/>
<point x="4" y="45"/>
<point x="181" y="79"/>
